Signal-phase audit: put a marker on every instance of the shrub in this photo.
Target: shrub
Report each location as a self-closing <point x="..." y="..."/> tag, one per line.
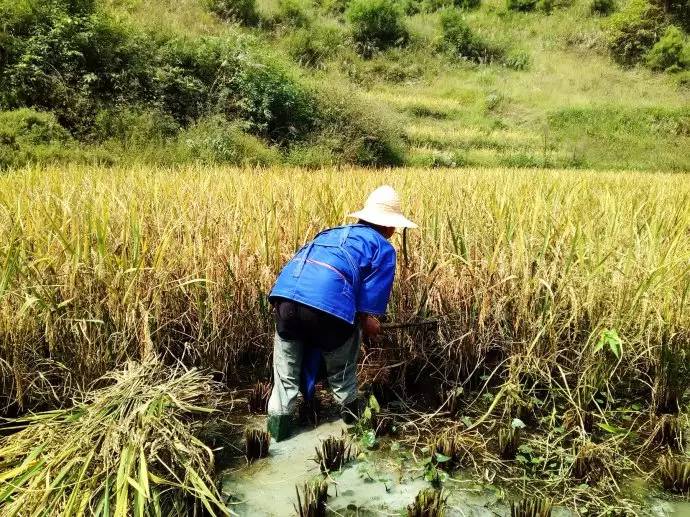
<point x="335" y="7"/>
<point x="376" y="24"/>
<point x="133" y="127"/>
<point x="311" y="47"/>
<point x="240" y="11"/>
<point x="671" y="52"/>
<point x="216" y="140"/>
<point x="602" y="7"/>
<point x="545" y="6"/>
<point x="634" y="30"/>
<point x="27" y="126"/>
<point x="459" y="39"/>
<point x="28" y="136"/>
<point x="295" y="12"/>
<point x="522" y="5"/>
<point x="275" y="103"/>
<point x="357" y="131"/>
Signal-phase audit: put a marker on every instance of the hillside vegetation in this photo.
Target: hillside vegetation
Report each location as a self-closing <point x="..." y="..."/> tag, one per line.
<point x="568" y="83"/>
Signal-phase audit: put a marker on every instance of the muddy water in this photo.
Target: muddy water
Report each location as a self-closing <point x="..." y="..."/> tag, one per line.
<point x="377" y="485"/>
<point x="380" y="484"/>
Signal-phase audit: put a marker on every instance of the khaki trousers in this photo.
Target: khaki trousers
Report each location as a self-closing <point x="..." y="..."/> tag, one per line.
<point x="341" y="368"/>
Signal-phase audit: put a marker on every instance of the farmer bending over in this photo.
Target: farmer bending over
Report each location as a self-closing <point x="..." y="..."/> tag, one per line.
<point x="334" y="287"/>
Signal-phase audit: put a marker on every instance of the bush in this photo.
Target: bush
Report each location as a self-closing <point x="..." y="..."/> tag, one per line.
<point x="602" y="7"/>
<point x="133" y="127"/>
<point x="671" y="52"/>
<point x="28" y="136"/>
<point x="522" y="5"/>
<point x="311" y="47"/>
<point x="275" y="103"/>
<point x="27" y="126"/>
<point x="633" y="31"/>
<point x="295" y="12"/>
<point x="240" y="11"/>
<point x="376" y="24"/>
<point x="357" y="131"/>
<point x="215" y="140"/>
<point x="459" y="39"/>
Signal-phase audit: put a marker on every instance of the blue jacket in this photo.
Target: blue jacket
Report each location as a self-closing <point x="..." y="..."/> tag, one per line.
<point x="343" y="271"/>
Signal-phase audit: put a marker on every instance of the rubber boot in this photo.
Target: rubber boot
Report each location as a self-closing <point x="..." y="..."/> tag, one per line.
<point x="280" y="426"/>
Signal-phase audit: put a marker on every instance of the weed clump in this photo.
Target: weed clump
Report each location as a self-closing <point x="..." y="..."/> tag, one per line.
<point x="296" y="13"/>
<point x="460" y="40"/>
<point x="216" y="140"/>
<point x="312" y="46"/>
<point x="522" y="5"/>
<point x="428" y="503"/>
<point x="312" y="503"/>
<point x="602" y="7"/>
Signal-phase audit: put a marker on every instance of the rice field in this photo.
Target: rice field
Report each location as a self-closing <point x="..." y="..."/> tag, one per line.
<point x="562" y="296"/>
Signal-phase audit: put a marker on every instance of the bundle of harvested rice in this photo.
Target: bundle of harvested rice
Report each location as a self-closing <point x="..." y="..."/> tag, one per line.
<point x="130" y="448"/>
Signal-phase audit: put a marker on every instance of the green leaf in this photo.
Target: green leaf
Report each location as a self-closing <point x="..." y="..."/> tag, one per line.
<point x="442" y="458"/>
<point x="517" y="424"/>
<point x="611" y="428"/>
<point x="374" y="404"/>
<point x="368" y="439"/>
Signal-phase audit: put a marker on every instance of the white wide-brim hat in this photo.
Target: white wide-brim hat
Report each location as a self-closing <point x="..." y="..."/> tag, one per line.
<point x="383" y="209"/>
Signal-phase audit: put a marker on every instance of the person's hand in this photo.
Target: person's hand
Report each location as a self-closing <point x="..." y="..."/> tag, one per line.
<point x="371" y="326"/>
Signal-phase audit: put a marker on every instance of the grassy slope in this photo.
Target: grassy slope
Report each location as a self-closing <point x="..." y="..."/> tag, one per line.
<point x="572" y="107"/>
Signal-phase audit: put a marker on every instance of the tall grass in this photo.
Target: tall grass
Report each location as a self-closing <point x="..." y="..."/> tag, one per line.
<point x="101" y="265"/>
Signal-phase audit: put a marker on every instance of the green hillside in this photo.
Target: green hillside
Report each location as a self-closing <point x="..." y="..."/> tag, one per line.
<point x="528" y="84"/>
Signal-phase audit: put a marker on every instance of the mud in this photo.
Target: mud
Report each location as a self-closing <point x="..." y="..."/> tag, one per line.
<point x="377" y="483"/>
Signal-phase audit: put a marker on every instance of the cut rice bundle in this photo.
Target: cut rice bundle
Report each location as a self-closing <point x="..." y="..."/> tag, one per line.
<point x="130" y="448"/>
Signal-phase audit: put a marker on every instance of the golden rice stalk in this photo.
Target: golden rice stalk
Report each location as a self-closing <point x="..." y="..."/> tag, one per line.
<point x="312" y="503"/>
<point x="508" y="442"/>
<point x="531" y="508"/>
<point x="257" y="401"/>
<point x="675" y="474"/>
<point x="428" y="503"/>
<point x="256" y="444"/>
<point x="333" y="453"/>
